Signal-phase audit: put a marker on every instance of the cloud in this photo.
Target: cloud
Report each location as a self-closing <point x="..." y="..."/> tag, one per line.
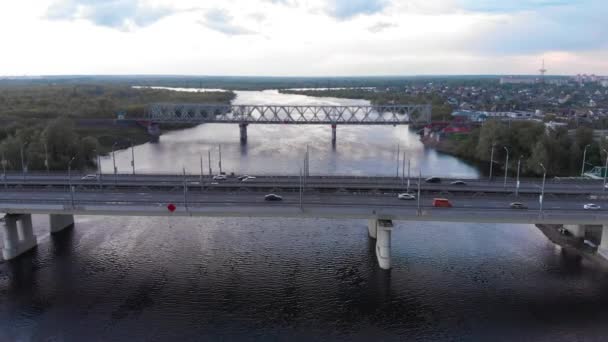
<point x="503" y="6"/>
<point x="118" y="14"/>
<point x="347" y="9"/>
<point x="545" y="26"/>
<point x="381" y="26"/>
<point x="220" y="20"/>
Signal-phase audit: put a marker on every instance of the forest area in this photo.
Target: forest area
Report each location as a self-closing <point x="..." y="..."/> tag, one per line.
<point x="48" y="125"/>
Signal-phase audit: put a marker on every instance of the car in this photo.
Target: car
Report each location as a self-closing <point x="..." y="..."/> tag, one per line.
<point x="442" y="203"/>
<point x="273" y="197"/>
<point x="89" y="177"/>
<point x="406" y="196"/>
<point x="518" y="205"/>
<point x="242" y="177"/>
<point x="591" y="206"/>
<point x="458" y="182"/>
<point x="248" y="178"/>
<point x="433" y="180"/>
<point x="564" y="231"/>
<point x="219" y="177"/>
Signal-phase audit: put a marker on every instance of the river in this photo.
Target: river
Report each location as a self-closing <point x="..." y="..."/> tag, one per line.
<point x="193" y="279"/>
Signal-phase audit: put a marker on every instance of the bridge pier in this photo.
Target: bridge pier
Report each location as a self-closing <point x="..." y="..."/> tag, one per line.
<point x="18" y="235"/>
<point x="60" y="222"/>
<point x="372" y="227"/>
<point x="333" y="134"/>
<point x="577" y="230"/>
<point x="381" y="231"/>
<point x="603" y="247"/>
<point x="243" y="129"/>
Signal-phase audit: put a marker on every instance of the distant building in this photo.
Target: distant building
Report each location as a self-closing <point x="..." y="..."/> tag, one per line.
<point x="470" y="115"/>
<point x="517" y="80"/>
<point x="604" y="83"/>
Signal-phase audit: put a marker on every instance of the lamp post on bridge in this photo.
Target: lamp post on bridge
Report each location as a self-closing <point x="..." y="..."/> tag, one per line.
<point x="584" y="159"/>
<point x="220" y="154"/>
<point x="46" y="158"/>
<point x="23" y="170"/>
<point x="491" y="161"/>
<point x="418" y="197"/>
<point x="132" y="157"/>
<point x="542" y="191"/>
<point x="114" y="161"/>
<point x="517" y="181"/>
<point x="209" y="160"/>
<point x="4" y="170"/>
<point x="605" y="169"/>
<point x="506" y="167"/>
<point x="70" y="180"/>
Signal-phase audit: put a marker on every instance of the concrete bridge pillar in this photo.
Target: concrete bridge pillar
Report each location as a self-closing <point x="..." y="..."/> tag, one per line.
<point x="333" y="134"/>
<point x="383" y="243"/>
<point x="577" y="230"/>
<point x="243" y="129"/>
<point x="18" y="235"/>
<point x="603" y="247"/>
<point x="60" y="222"/>
<point x="372" y="227"/>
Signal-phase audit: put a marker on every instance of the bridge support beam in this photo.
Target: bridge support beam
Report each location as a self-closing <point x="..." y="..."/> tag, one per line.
<point x="372" y="227"/>
<point x="577" y="230"/>
<point x="60" y="222"/>
<point x="383" y="243"/>
<point x="603" y="247"/>
<point x="18" y="235"/>
<point x="243" y="129"/>
<point x="333" y="134"/>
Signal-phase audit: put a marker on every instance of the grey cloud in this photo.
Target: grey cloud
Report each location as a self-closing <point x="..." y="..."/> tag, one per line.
<point x="347" y="9"/>
<point x="381" y="26"/>
<point x="116" y="14"/>
<point x="220" y="20"/>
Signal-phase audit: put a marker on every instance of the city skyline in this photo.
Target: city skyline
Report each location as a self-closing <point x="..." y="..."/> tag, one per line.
<point x="304" y="38"/>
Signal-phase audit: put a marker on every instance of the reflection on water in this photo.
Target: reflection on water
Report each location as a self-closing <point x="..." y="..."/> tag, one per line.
<point x="193" y="279"/>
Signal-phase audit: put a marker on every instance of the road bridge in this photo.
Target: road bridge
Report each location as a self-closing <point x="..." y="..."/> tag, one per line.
<point x="370" y="198"/>
<point x="244" y="115"/>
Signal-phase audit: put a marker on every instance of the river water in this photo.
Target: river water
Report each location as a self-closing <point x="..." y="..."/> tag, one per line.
<point x="194" y="279"/>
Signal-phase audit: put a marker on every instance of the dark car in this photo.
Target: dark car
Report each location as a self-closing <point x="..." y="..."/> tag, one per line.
<point x="273" y="197"/>
<point x="458" y="182"/>
<point x="433" y="180"/>
<point x="518" y="205"/>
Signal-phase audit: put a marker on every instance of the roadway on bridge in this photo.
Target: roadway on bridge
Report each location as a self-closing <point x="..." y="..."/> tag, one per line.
<point x="529" y="185"/>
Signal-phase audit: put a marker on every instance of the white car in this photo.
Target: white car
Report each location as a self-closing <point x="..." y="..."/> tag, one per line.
<point x="591" y="206"/>
<point x="219" y="177"/>
<point x="89" y="177"/>
<point x="248" y="178"/>
<point x="406" y="196"/>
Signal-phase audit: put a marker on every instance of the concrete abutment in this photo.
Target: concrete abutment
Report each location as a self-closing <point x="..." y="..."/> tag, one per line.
<point x="18" y="235"/>
<point x="381" y="231"/>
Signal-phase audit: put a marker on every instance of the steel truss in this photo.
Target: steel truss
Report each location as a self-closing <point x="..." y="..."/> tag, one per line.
<point x="279" y="114"/>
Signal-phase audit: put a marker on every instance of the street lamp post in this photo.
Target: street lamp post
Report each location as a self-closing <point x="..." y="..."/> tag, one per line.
<point x="408" y="175"/>
<point x="398" y="148"/>
<point x="209" y="160"/>
<point x="114" y="161"/>
<point x="220" y="155"/>
<point x="22" y="162"/>
<point x="506" y="167"/>
<point x="46" y="157"/>
<point x="70" y="180"/>
<point x="491" y="161"/>
<point x="517" y="181"/>
<point x="584" y="159"/>
<point x="542" y="191"/>
<point x="419" y="181"/>
<point x="201" y="179"/>
<point x="4" y="171"/>
<point x="605" y="169"/>
<point x="132" y="158"/>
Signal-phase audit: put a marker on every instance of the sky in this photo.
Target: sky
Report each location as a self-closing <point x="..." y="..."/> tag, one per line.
<point x="303" y="37"/>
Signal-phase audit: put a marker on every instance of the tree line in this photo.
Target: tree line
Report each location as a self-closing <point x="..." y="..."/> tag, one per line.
<point x="52" y="146"/>
<point x="559" y="152"/>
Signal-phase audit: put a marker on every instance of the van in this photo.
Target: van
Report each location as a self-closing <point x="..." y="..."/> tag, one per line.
<point x="441" y="203"/>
